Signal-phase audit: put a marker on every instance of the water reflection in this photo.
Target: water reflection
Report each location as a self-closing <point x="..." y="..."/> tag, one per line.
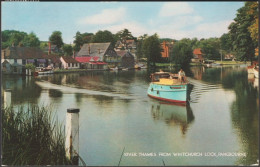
<point x="173" y="114"/>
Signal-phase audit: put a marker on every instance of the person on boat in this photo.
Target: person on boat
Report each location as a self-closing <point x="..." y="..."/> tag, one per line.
<point x="181" y="76"/>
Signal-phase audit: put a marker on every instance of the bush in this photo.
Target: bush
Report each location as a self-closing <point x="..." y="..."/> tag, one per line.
<point x="32" y="137"/>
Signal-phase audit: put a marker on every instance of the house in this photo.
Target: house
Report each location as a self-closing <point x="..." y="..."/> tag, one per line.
<point x="54" y="60"/>
<point x="130" y="44"/>
<point x="91" y="62"/>
<point x="127" y="60"/>
<point x="69" y="63"/>
<point x="197" y="56"/>
<point x="166" y="49"/>
<point x="229" y="57"/>
<point x="104" y="51"/>
<point x="18" y="57"/>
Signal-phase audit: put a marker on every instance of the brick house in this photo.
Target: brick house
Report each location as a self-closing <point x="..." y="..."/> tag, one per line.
<point x="166" y="49"/>
<point x="197" y="56"/>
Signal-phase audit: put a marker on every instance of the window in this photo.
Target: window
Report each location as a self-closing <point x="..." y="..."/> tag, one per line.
<point x="15" y="60"/>
<point x="24" y="61"/>
<point x="72" y="64"/>
<point x="68" y="64"/>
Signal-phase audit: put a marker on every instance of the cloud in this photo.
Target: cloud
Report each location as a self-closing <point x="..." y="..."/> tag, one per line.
<point x="175" y="9"/>
<point x="107" y="16"/>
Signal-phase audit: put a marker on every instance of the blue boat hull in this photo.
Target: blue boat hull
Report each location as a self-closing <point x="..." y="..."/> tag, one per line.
<point x="171" y="93"/>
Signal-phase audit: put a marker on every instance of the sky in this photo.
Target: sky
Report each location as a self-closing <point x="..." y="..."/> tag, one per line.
<point x="174" y="20"/>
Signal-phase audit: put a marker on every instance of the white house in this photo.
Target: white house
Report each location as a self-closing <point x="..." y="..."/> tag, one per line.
<point x="69" y="63"/>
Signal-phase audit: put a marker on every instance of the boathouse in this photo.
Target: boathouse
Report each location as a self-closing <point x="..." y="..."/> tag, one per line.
<point x="17" y="57"/>
<point x="127" y="59"/>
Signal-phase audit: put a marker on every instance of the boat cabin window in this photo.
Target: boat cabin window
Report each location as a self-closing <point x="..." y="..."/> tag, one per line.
<point x="156" y="77"/>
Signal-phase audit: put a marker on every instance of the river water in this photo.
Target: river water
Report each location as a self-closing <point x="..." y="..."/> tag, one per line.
<point x="219" y="126"/>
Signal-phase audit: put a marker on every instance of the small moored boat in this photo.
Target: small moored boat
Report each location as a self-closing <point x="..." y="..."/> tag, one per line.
<point x="167" y="87"/>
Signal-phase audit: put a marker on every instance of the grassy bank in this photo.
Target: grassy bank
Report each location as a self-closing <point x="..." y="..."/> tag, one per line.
<point x="32" y="137"/>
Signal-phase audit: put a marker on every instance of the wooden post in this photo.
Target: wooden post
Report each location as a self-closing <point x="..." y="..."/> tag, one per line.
<point x="7" y="98"/>
<point x="72" y="135"/>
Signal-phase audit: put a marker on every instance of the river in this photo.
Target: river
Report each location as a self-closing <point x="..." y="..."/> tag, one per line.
<point x="219" y="126"/>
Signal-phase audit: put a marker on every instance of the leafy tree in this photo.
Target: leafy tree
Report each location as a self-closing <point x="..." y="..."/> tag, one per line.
<point x="253" y="28"/>
<point x="243" y="44"/>
<point x="151" y="49"/>
<point x="56" y="39"/>
<point x="81" y="39"/>
<point x="31" y="40"/>
<point x="68" y="51"/>
<point x="104" y="36"/>
<point x="226" y="43"/>
<point x="182" y="52"/>
<point x="210" y="48"/>
<point x="139" y="50"/>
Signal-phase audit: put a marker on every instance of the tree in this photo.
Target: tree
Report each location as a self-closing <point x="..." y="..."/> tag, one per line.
<point x="139" y="51"/>
<point x="56" y="39"/>
<point x="243" y="44"/>
<point x="226" y="43"/>
<point x="68" y="51"/>
<point x="31" y="40"/>
<point x="151" y="49"/>
<point x="104" y="36"/>
<point x="81" y="39"/>
<point x="210" y="48"/>
<point x="182" y="53"/>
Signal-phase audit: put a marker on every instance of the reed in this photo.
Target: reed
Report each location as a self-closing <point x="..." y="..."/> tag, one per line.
<point x="32" y="136"/>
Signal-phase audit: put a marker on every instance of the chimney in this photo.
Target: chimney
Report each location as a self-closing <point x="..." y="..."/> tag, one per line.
<point x="73" y="54"/>
<point x="98" y="51"/>
<point x="49" y="52"/>
<point x="88" y="49"/>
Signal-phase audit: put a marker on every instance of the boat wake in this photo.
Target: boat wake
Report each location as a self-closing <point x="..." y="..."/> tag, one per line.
<point x="67" y="89"/>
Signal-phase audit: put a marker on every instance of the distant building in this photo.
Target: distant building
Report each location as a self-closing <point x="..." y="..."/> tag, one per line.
<point x="127" y="60"/>
<point x="69" y="62"/>
<point x="104" y="51"/>
<point x="229" y="57"/>
<point x="197" y="56"/>
<point x="166" y="49"/>
<point x="18" y="57"/>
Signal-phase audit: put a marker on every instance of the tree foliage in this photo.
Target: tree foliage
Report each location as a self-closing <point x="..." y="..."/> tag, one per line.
<point x="81" y="39"/>
<point x="210" y="48"/>
<point x="151" y="49"/>
<point x="67" y="49"/>
<point x="31" y="40"/>
<point x="182" y="52"/>
<point x="243" y="44"/>
<point x="104" y="36"/>
<point x="13" y="37"/>
<point x="56" y="39"/>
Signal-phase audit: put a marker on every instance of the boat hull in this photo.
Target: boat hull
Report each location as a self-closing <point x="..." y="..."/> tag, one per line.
<point x="170" y="93"/>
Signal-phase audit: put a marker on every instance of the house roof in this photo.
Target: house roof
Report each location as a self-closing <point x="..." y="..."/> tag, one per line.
<point x="24" y="53"/>
<point x="83" y="59"/>
<point x="93" y="49"/>
<point x="128" y="54"/>
<point x="121" y="53"/>
<point x="69" y="59"/>
<point x="54" y="58"/>
<point x="197" y="51"/>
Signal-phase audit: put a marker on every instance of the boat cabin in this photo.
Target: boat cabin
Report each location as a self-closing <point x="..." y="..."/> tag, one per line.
<point x="155" y="77"/>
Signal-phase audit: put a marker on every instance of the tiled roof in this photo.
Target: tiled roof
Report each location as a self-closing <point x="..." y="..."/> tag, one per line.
<point x="24" y="53"/>
<point x="121" y="53"/>
<point x="83" y="59"/>
<point x="95" y="49"/>
<point x="197" y="51"/>
<point x="68" y="59"/>
<point x="54" y="58"/>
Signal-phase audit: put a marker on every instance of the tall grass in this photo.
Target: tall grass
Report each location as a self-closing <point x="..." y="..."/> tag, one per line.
<point x="32" y="137"/>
